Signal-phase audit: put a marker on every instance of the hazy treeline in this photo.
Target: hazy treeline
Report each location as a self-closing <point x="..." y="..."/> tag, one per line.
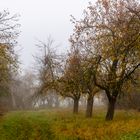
<point x="103" y="62"/>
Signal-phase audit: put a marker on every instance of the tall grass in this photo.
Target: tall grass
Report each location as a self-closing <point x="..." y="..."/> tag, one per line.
<point x="62" y="125"/>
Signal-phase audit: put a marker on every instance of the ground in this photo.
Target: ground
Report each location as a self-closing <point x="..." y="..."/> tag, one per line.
<point x="63" y="125"/>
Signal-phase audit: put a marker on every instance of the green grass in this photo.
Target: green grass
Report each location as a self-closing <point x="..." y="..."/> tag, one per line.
<point x="62" y="125"/>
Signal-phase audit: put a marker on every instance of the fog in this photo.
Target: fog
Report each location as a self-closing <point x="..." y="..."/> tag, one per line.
<point x="41" y="18"/>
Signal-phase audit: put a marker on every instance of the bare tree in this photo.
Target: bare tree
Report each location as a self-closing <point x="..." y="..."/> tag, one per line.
<point x="48" y="63"/>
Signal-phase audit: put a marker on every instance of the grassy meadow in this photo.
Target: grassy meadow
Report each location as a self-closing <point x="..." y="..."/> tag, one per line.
<point x="63" y="125"/>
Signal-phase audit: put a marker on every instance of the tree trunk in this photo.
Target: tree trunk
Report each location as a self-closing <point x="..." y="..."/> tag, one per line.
<point x="76" y="106"/>
<point x="89" y="106"/>
<point x="111" y="108"/>
<point x="13" y="100"/>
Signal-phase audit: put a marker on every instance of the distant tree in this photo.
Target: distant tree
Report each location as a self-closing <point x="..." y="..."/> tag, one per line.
<point x="130" y="94"/>
<point x="48" y="64"/>
<point x="110" y="30"/>
<point x="22" y="88"/>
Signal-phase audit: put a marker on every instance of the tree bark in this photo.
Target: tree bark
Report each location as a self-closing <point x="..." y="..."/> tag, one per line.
<point x="89" y="108"/>
<point x="76" y="106"/>
<point x="111" y="109"/>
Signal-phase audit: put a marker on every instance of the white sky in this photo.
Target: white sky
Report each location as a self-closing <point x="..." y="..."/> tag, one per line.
<point x="41" y="18"/>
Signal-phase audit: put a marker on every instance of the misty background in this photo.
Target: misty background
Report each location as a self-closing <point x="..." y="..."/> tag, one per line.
<point x="41" y="18"/>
